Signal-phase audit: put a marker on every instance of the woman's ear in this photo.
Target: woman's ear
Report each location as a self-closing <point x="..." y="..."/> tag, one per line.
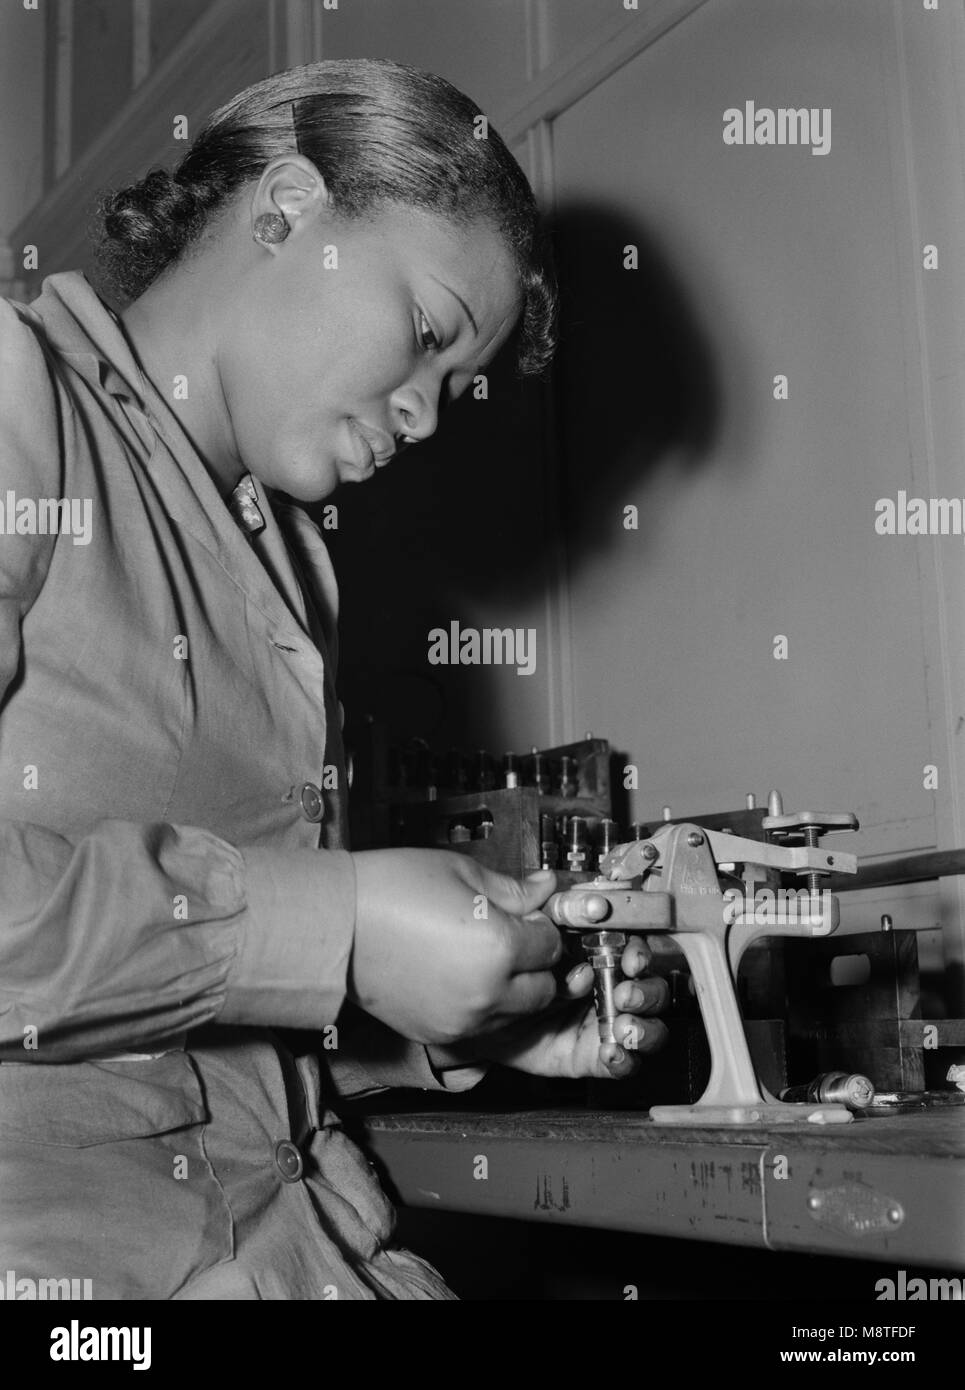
<point x="291" y="187"/>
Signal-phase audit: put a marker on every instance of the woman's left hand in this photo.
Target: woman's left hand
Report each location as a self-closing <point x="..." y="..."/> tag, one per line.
<point x="563" y="1040"/>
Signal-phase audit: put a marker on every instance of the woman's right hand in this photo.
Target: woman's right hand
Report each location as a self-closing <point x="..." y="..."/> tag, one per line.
<point x="446" y="949"/>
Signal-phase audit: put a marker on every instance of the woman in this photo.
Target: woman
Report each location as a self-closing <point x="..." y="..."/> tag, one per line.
<point x="336" y="255"/>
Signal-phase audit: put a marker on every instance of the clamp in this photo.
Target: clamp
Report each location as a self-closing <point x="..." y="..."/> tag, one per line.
<point x="669" y="883"/>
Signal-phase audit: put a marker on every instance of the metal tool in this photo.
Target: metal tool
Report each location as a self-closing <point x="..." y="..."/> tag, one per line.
<point x="838" y="1087"/>
<point x="669" y="883"/>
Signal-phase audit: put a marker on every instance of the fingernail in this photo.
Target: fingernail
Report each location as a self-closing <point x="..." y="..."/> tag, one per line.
<point x="635" y="998"/>
<point x="577" y="970"/>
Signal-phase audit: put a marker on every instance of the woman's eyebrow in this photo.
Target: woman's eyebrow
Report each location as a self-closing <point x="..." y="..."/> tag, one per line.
<point x="466" y="309"/>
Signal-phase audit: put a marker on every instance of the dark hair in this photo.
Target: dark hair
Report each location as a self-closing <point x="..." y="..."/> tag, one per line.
<point x="378" y="132"/>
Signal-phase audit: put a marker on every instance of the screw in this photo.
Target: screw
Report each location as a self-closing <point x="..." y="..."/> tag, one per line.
<point x="649" y="852"/>
<point x="694" y="840"/>
<point x="811" y="836"/>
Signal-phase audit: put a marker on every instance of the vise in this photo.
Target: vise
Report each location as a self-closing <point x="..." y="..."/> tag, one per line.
<point x="683" y="880"/>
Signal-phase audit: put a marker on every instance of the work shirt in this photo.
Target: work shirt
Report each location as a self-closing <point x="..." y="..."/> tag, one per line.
<point x="173" y="877"/>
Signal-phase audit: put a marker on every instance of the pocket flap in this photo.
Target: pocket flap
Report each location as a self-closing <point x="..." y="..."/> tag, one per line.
<point x="80" y="1103"/>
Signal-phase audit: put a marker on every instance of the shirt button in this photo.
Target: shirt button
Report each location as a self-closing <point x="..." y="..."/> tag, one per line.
<point x="311" y="799"/>
<point x="288" y="1161"/>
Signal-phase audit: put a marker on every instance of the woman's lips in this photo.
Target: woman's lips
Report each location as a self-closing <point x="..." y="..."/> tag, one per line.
<point x="376" y="451"/>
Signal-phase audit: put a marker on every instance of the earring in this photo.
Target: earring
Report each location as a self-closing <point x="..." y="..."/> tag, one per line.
<point x="270" y="228"/>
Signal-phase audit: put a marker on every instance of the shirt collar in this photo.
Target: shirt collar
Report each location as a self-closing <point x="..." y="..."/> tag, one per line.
<point x="82" y="329"/>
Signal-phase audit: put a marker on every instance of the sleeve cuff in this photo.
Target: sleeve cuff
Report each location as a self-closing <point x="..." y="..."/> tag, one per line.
<point x="297" y="939"/>
<point x="375" y="1058"/>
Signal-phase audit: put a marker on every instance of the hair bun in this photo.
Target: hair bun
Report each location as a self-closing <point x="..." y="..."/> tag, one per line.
<point x="147" y="224"/>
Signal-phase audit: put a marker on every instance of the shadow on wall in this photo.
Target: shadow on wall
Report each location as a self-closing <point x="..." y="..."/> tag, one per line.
<point x="636" y="380"/>
<point x="467" y="523"/>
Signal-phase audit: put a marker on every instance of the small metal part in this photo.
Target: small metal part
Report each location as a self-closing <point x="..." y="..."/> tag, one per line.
<point x="649" y="852"/>
<point x="695" y="839"/>
<point x="899" y="1102"/>
<point x="538" y="775"/>
<point x="775" y="803"/>
<point x="834" y="1088"/>
<point x="567" y="779"/>
<point x="606" y="837"/>
<point x="854" y="1209"/>
<point x="576" y="844"/>
<point x="485" y="826"/>
<point x="604" y="950"/>
<point x="459" y="834"/>
<point x="886" y="922"/>
<point x="807" y="827"/>
<point x="510" y="771"/>
<point x="751" y="801"/>
<point x="638" y="831"/>
<point x="667" y="813"/>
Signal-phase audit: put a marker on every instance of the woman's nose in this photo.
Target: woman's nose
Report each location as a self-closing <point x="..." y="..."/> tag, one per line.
<point x="417" y="415"/>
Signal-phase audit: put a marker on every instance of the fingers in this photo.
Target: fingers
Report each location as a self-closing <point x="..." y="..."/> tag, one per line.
<point x="518" y="896"/>
<point x="641" y="996"/>
<point x="648" y="996"/>
<point x="637" y="957"/>
<point x="528" y="993"/>
<point x="578" y="981"/>
<point x="535" y="945"/>
<point x="636" y="1038"/>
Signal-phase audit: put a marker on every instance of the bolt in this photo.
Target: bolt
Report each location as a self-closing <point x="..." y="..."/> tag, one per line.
<point x="751" y="801"/>
<point x="694" y="840"/>
<point x="813" y="880"/>
<point x="775" y="804"/>
<point x="649" y="852"/>
<point x="667" y="813"/>
<point x="886" y="922"/>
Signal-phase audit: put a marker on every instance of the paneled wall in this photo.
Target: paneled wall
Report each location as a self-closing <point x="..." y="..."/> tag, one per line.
<point x="755" y="514"/>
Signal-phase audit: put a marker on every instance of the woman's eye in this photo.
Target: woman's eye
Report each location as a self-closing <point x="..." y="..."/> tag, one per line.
<point x="427" y="337"/>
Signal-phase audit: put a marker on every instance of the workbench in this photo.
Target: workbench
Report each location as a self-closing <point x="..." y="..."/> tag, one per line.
<point x="884" y="1188"/>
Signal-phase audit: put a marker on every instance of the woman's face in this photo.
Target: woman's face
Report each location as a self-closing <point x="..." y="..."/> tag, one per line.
<point x="348" y="337"/>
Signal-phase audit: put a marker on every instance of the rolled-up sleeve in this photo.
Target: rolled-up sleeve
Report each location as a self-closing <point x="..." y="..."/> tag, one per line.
<point x="139" y="933"/>
<point x="289" y="971"/>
